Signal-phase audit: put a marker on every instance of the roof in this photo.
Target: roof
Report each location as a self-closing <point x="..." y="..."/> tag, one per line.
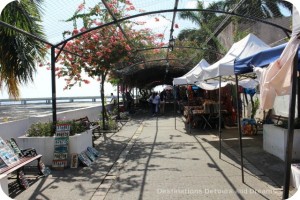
<point x="170" y="24"/>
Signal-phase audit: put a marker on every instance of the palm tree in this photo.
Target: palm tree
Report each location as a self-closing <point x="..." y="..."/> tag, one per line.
<point x="18" y="52"/>
<point x="262" y="9"/>
<point x="206" y="22"/>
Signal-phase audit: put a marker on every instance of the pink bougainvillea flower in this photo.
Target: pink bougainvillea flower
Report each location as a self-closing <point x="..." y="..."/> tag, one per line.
<point x="82" y="29"/>
<point x="110" y="5"/>
<point x="160" y="35"/>
<point x="95" y="37"/>
<point x="86" y="81"/>
<point x="128" y="2"/>
<point x="80" y="7"/>
<point x="75" y="32"/>
<point x="98" y="53"/>
<point x="77" y="41"/>
<point x="48" y="46"/>
<point x="127" y="47"/>
<point x="98" y="23"/>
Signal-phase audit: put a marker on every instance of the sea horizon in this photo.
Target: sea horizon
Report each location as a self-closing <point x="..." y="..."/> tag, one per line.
<point x="17" y="111"/>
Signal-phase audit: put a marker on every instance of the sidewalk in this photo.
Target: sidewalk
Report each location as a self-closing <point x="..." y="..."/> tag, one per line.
<point x="150" y="159"/>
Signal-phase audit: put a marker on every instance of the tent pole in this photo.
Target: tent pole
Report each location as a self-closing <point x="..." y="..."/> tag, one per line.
<point x="174" y="99"/>
<point x="290" y="136"/>
<point x="220" y="120"/>
<point x="118" y="101"/>
<point x="189" y="115"/>
<point x="239" y="126"/>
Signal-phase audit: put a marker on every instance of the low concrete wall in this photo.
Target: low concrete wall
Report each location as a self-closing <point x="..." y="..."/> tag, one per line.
<point x="275" y="140"/>
<point x="4" y="187"/>
<point x="15" y="129"/>
<point x="45" y="145"/>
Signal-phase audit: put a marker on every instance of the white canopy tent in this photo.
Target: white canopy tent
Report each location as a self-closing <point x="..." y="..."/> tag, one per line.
<point x="296" y="22"/>
<point x="214" y="84"/>
<point x="183" y="80"/>
<point x="225" y="66"/>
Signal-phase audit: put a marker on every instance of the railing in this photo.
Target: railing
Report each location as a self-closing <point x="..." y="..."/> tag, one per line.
<point x="48" y="100"/>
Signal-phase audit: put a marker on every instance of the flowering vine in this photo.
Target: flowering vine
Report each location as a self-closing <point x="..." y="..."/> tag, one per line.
<point x="94" y="54"/>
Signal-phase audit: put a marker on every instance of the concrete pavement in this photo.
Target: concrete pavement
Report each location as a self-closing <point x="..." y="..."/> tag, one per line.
<point x="150" y="159"/>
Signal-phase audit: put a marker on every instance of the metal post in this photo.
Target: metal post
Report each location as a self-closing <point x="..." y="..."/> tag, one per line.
<point x="118" y="100"/>
<point x="239" y="126"/>
<point x="189" y="115"/>
<point x="175" y="110"/>
<point x="220" y="120"/>
<point x="136" y="95"/>
<point x="54" y="114"/>
<point x="290" y="136"/>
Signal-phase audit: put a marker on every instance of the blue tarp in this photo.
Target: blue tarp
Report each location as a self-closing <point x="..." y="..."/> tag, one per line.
<point x="260" y="59"/>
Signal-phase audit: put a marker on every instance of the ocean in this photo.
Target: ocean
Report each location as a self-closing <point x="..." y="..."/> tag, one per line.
<point x="15" y="111"/>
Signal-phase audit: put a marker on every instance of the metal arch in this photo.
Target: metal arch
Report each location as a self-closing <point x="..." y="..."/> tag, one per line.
<point x="136" y="16"/>
<point x="172" y="10"/>
<point x="180" y="47"/>
<point x="149" y="61"/>
<point x="140" y="15"/>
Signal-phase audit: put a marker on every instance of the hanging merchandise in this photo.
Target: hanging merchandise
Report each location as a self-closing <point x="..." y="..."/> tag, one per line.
<point x="250" y="91"/>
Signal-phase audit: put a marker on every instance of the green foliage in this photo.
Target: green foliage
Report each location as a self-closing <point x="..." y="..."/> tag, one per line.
<point x="46" y="129"/>
<point x="18" y="52"/>
<point x="255" y="107"/>
<point x="285" y="123"/>
<point x="40" y="129"/>
<point x="112" y="124"/>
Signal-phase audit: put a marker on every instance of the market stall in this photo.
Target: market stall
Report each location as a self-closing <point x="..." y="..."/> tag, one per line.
<point x="278" y="79"/>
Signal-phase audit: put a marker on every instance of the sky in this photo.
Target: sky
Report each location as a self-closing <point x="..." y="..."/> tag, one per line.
<point x="41" y="87"/>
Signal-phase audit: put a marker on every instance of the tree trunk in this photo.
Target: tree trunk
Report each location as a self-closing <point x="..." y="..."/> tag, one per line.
<point x="104" y="115"/>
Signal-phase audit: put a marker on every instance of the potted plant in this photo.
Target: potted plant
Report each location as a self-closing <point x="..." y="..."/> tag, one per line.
<point x="41" y="137"/>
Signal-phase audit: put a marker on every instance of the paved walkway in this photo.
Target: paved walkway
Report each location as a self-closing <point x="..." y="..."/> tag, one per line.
<point x="150" y="159"/>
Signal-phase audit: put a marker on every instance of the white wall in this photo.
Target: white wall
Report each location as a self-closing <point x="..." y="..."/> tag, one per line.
<point x="45" y="145"/>
<point x="275" y="141"/>
<point x="281" y="106"/>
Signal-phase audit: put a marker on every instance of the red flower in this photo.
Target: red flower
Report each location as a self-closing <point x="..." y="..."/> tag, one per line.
<point x="176" y="26"/>
<point x="86" y="81"/>
<point x="83" y="29"/>
<point x="160" y="35"/>
<point x="156" y="19"/>
<point x="127" y="47"/>
<point x="75" y="32"/>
